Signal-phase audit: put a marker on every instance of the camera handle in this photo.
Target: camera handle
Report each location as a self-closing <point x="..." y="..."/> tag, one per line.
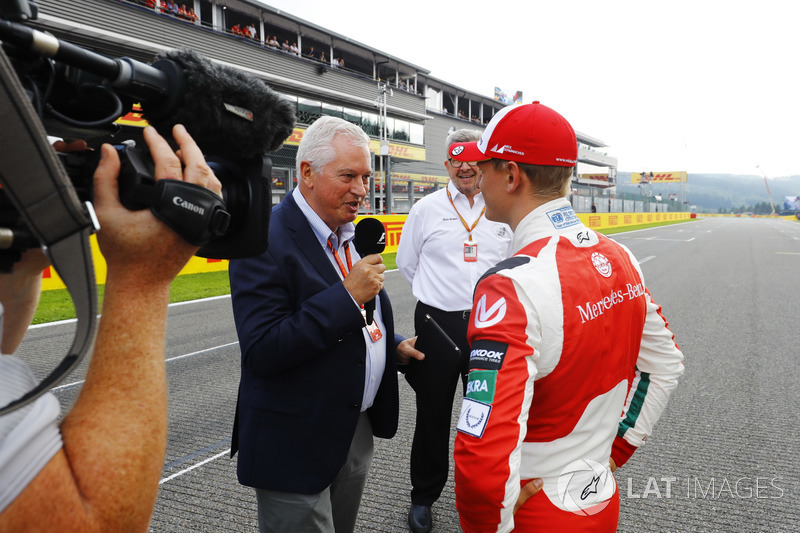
<point x="193" y="212"/>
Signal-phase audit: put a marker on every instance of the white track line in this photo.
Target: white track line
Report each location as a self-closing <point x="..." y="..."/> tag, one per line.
<point x="201" y="463"/>
<point x="200" y="352"/>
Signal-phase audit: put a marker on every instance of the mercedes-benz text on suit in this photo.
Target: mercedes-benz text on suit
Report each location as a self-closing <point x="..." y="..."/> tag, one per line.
<point x="314" y="377"/>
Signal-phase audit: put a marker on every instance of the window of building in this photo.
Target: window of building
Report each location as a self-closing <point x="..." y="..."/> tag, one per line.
<point x="369" y="123"/>
<point x="308" y="110"/>
<point x="352" y="115"/>
<point x="332" y="110"/>
<point x="417" y="133"/>
<point x="401" y="130"/>
<point x="389" y="127"/>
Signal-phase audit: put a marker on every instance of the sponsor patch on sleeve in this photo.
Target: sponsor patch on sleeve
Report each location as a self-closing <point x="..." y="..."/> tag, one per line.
<point x="473" y="418"/>
<point x="563" y="218"/>
<point x="487" y="355"/>
<point x="481" y="384"/>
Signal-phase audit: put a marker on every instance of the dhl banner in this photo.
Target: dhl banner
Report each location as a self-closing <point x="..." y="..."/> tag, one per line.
<point x="597" y="180"/>
<point x="399" y="151"/>
<point x="426" y="178"/>
<point x="393" y="224"/>
<point x="594" y="177"/>
<point x="658" y="177"/>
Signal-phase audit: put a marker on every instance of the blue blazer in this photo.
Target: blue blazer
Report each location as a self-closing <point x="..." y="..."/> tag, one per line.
<point x="303" y="362"/>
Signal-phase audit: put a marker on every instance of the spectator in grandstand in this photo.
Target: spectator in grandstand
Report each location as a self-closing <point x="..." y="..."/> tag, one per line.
<point x="571" y="362"/>
<point x="273" y="41"/>
<point x="447" y="244"/>
<point x="293" y="49"/>
<point x="285" y="46"/>
<point x="317" y="381"/>
<point x="341" y="62"/>
<point x="323" y="58"/>
<point x="191" y="15"/>
<point x="251" y="31"/>
<point x="98" y="470"/>
<point x="335" y="62"/>
<point x="312" y="54"/>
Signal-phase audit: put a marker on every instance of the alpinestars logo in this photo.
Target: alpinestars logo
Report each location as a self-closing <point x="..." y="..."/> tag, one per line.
<point x="585" y="487"/>
<point x="489" y="316"/>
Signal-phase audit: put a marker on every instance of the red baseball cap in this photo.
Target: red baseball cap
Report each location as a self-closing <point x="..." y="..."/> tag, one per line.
<point x="530" y="133"/>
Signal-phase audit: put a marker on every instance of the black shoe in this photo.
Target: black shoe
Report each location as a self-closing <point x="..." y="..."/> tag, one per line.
<point x="420" y="519"/>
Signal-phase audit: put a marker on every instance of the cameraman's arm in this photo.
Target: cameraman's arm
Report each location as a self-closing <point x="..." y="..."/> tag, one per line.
<point x="106" y="476"/>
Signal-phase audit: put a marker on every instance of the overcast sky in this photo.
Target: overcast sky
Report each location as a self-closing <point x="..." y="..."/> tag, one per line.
<point x="703" y="85"/>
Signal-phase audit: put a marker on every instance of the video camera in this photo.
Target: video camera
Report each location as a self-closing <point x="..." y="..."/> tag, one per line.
<point x="234" y="118"/>
<point x="53" y="88"/>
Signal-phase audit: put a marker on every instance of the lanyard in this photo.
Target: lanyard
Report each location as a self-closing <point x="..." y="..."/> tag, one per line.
<point x="339" y="260"/>
<point x="373" y="329"/>
<point x="466" y="226"/>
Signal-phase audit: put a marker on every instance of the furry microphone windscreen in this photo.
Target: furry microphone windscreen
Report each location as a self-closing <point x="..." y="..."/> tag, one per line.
<point x="227" y="111"/>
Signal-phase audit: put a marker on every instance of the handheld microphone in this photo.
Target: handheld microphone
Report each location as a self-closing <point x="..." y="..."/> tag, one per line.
<point x="370" y="239"/>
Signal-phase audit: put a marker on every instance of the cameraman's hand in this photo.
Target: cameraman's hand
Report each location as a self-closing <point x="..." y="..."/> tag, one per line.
<point x="135" y="244"/>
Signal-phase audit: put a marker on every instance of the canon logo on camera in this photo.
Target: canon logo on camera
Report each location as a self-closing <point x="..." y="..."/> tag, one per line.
<point x="180" y="202"/>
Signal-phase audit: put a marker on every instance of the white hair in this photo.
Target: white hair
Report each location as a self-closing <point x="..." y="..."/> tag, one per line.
<point x="315" y="147"/>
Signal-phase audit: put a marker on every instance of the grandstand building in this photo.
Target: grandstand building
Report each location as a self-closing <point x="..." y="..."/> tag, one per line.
<point x="406" y="110"/>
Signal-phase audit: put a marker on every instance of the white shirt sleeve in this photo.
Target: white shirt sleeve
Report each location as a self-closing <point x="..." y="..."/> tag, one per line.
<point x="410" y="246"/>
<point x="29" y="436"/>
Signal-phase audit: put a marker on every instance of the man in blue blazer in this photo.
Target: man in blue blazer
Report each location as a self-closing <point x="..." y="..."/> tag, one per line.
<point x="317" y="383"/>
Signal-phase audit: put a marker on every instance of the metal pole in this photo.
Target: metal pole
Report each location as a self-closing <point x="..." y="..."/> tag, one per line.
<point x="383" y="146"/>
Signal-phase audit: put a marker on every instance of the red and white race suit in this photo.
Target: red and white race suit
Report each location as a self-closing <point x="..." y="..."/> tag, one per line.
<point x="571" y="363"/>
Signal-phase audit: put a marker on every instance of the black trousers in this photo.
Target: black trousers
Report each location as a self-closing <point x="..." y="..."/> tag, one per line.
<point x="430" y="450"/>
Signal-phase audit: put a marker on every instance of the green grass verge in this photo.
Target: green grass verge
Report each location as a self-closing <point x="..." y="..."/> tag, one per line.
<point x="57" y="305"/>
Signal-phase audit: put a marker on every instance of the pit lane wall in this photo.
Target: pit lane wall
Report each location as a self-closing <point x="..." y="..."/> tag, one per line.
<point x="394" y="227"/>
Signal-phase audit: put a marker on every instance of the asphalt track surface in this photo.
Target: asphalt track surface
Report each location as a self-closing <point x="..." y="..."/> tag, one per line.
<point x="723" y="458"/>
